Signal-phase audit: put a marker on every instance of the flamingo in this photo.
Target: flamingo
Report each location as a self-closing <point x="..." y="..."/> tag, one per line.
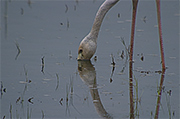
<point x="88" y="45"/>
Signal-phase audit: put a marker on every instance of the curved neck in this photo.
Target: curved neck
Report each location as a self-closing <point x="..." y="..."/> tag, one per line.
<point x="104" y="8"/>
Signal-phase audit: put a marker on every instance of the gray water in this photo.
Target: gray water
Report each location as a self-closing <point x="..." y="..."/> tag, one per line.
<point x="40" y="77"/>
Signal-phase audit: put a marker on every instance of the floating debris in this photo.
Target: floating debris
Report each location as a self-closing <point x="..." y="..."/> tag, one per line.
<point x="146" y="72"/>
<point x="19" y="50"/>
<point x="42" y="59"/>
<point x="142" y="57"/>
<point x="67" y="93"/>
<point x="159" y="72"/>
<point x="4" y="90"/>
<point x="111" y="80"/>
<point x="25" y="82"/>
<point x="119" y="15"/>
<point x="60" y="102"/>
<point x="144" y="19"/>
<point x="173" y="113"/>
<point x="66" y="8"/>
<point x="57" y="76"/>
<point x="113" y="63"/>
<point x="122" y="54"/>
<point x="30" y="100"/>
<point x="85" y="98"/>
<point x="71" y="85"/>
<point x="169" y="92"/>
<point x="22" y="101"/>
<point x="42" y="64"/>
<point x="19" y="98"/>
<point x="29" y="81"/>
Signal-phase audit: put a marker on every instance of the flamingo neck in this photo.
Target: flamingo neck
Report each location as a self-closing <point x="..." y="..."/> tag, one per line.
<point x="104" y="8"/>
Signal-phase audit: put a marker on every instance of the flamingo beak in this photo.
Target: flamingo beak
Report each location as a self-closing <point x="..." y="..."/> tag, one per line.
<point x="80" y="57"/>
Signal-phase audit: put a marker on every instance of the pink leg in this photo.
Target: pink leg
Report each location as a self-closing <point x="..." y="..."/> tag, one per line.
<point x="160" y="33"/>
<point x="135" y="3"/>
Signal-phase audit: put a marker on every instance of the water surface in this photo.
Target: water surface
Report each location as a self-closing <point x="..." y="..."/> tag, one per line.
<point x="41" y="78"/>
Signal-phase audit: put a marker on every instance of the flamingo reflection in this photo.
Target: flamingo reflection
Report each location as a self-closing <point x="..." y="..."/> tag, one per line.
<point x="87" y="74"/>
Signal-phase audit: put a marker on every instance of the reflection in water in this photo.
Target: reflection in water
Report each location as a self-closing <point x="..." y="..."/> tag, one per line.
<point x="22" y="99"/>
<point x="131" y="98"/>
<point x="159" y="94"/>
<point x="88" y="75"/>
<point x="42" y="64"/>
<point x="69" y="97"/>
<point x="6" y="18"/>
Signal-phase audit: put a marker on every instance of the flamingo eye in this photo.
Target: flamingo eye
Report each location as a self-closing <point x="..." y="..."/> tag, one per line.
<point x="80" y="51"/>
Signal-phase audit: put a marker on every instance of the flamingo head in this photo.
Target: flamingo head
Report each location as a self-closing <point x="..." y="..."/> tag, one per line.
<point x="87" y="48"/>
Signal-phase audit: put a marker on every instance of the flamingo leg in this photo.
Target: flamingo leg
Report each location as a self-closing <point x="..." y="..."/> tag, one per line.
<point x="135" y="3"/>
<point x="162" y="57"/>
<point x="160" y="33"/>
